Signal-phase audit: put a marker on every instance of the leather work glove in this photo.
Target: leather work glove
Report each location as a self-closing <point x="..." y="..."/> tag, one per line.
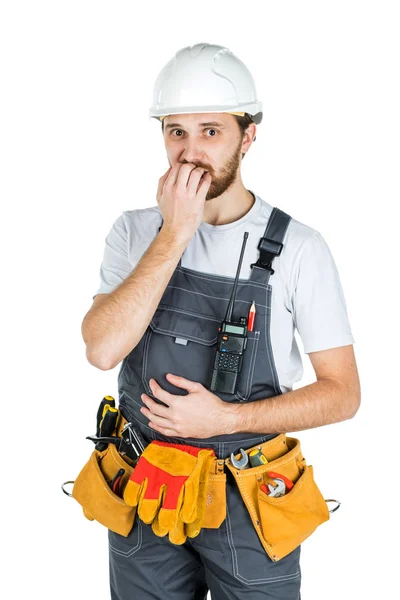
<point x="182" y="530"/>
<point x="168" y="485"/>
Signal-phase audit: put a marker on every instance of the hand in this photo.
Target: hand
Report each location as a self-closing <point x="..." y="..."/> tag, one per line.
<point x="181" y="195"/>
<point x="199" y="414"/>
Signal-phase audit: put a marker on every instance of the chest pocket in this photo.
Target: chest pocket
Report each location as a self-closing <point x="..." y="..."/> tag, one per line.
<point x="185" y="344"/>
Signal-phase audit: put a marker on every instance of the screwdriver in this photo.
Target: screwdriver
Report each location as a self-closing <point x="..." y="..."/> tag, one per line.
<point x="256" y="458"/>
<point x="100" y="413"/>
<point x="107" y="425"/>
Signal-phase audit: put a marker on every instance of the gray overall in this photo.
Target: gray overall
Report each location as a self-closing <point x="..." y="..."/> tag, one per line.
<point x="181" y="339"/>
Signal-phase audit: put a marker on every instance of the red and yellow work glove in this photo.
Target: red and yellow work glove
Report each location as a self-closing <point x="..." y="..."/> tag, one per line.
<point x="182" y="530"/>
<point x="168" y="485"/>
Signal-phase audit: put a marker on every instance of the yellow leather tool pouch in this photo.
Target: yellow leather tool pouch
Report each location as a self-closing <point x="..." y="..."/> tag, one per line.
<point x="282" y="523"/>
<point x="215" y="511"/>
<point x="92" y="490"/>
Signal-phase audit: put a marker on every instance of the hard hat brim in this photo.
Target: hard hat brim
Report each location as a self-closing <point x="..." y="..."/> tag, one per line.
<point x="254" y="109"/>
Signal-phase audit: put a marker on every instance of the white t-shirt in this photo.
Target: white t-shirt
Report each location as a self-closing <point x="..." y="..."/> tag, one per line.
<point x="306" y="289"/>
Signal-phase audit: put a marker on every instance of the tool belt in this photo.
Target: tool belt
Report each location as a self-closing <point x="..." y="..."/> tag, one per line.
<point x="281" y="523"/>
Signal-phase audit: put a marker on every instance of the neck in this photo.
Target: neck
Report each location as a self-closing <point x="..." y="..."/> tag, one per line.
<point x="231" y="206"/>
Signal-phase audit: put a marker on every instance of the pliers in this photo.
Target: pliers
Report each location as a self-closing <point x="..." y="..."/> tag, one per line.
<point x="131" y="443"/>
<point x="283" y="484"/>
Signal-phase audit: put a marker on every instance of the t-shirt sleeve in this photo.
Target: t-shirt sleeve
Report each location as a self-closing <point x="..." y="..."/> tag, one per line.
<point x="318" y="303"/>
<point x="116" y="266"/>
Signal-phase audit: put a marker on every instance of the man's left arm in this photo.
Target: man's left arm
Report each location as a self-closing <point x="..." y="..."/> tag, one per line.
<point x="334" y="397"/>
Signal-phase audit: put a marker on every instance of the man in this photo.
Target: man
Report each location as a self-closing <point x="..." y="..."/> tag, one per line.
<point x="166" y="280"/>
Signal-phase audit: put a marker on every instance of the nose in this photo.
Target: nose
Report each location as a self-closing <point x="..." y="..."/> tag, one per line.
<point x="192" y="153"/>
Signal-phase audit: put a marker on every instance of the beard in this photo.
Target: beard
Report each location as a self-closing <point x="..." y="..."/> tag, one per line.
<point x="227" y="175"/>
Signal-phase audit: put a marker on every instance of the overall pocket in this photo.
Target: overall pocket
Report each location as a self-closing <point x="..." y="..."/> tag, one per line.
<point x="282" y="523"/>
<point x="185" y="344"/>
<point x="92" y="491"/>
<point x="246" y="375"/>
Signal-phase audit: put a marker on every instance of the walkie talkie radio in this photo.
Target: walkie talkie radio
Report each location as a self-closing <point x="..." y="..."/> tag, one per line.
<point x="232" y="341"/>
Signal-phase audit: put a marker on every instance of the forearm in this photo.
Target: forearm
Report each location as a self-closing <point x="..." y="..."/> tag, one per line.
<point x="320" y="403"/>
<point x="113" y="328"/>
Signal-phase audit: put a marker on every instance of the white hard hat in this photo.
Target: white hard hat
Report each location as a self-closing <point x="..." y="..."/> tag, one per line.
<point x="205" y="78"/>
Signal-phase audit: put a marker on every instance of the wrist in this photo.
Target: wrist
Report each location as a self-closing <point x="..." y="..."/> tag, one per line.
<point x="174" y="237"/>
<point x="235" y="418"/>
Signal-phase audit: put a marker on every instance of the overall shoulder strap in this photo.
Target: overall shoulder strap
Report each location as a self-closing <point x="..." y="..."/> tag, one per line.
<point x="271" y="244"/>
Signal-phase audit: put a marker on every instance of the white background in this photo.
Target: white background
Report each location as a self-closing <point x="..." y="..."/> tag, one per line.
<point x="78" y="148"/>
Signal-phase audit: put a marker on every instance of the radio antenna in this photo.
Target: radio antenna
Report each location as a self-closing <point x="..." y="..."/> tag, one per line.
<point x="229" y="311"/>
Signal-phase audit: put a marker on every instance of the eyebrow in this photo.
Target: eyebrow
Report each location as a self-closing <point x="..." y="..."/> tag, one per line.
<point x="210" y="124"/>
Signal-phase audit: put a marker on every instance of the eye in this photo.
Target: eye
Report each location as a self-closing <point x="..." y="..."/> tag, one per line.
<point x="180" y="130"/>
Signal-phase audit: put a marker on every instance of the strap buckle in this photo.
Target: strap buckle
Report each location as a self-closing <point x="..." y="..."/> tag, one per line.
<point x="269" y="249"/>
